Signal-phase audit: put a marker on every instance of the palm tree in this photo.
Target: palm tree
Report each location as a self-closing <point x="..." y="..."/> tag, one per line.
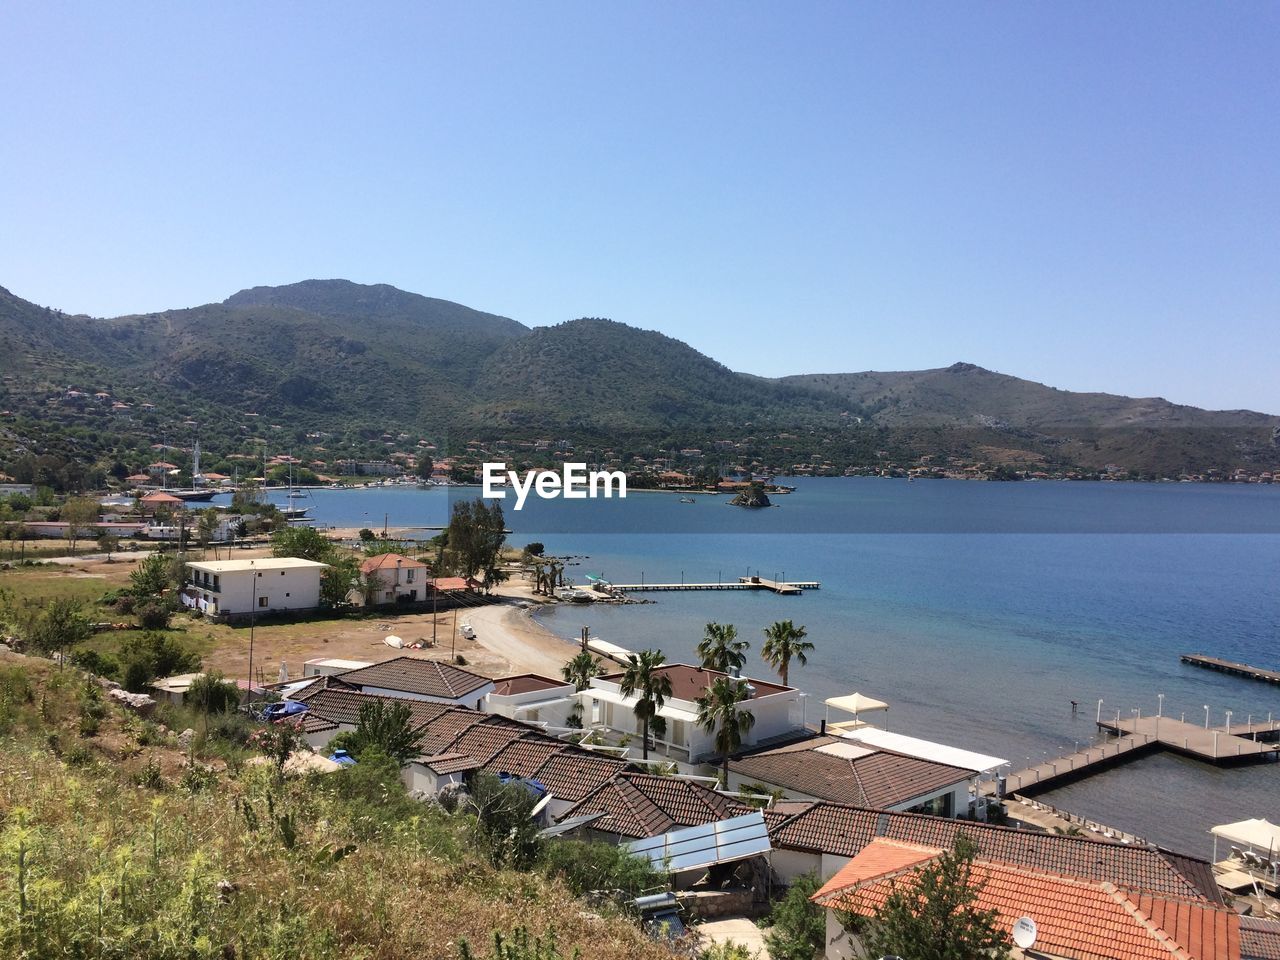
<point x="581" y="669"/>
<point x="643" y="677"/>
<point x="721" y="649"/>
<point x="718" y="713"/>
<point x="784" y="642"/>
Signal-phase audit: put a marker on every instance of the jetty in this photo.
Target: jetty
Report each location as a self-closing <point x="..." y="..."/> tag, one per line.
<point x="1230" y="666"/>
<point x="785" y="587"/>
<point x="1241" y="743"/>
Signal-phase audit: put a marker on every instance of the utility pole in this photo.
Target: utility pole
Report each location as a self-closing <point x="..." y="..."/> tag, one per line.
<point x="253" y="616"/>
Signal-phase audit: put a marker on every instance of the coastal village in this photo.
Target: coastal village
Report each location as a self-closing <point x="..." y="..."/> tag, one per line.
<point x="765" y="824"/>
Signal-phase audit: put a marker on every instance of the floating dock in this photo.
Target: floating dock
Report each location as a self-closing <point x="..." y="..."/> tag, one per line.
<point x="786" y="587"/>
<point x="1230" y="666"/>
<point x="1139" y="737"/>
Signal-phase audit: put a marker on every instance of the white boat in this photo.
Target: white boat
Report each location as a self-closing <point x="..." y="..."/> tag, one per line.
<point x="394" y="641"/>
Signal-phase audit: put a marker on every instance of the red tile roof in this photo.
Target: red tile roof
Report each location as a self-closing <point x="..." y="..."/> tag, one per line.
<point x="390" y="561"/>
<point x="846" y="830"/>
<point x="524" y="683"/>
<point x="852" y="774"/>
<point x="1082" y="919"/>
<point x="1259" y="938"/>
<point x="644" y="805"/>
<point x="690" y="682"/>
<point x="429" y="678"/>
<point x="447" y="584"/>
<point x="448" y="763"/>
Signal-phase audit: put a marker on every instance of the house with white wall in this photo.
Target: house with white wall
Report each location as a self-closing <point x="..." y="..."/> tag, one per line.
<point x="417" y="678"/>
<point x="532" y="698"/>
<point x="778" y="710"/>
<point x="394" y="578"/>
<point x="238" y="588"/>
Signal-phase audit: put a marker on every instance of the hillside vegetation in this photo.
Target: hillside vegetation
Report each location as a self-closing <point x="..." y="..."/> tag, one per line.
<point x="357" y="363"/>
<point x="114" y="843"/>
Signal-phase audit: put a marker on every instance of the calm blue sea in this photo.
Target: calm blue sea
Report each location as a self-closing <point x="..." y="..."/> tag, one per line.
<point x="978" y="610"/>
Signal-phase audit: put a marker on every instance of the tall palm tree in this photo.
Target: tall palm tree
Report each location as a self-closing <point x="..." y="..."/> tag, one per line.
<point x="721" y="649"/>
<point x="784" y="642"/>
<point x="581" y="669"/>
<point x="643" y="677"/>
<point x="718" y="713"/>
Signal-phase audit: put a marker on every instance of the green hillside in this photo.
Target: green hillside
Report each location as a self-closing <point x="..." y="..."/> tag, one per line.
<point x="360" y="371"/>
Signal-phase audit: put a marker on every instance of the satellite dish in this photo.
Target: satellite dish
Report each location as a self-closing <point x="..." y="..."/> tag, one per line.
<point x="1024" y="932"/>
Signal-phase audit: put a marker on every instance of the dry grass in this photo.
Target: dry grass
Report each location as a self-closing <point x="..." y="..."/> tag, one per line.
<point x="245" y="867"/>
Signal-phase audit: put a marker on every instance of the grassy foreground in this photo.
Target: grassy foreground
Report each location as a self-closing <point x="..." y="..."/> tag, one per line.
<point x="114" y="844"/>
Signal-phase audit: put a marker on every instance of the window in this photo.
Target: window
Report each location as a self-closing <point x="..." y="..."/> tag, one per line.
<point x="263" y="601"/>
<point x="408" y="576"/>
<point x="217" y="585"/>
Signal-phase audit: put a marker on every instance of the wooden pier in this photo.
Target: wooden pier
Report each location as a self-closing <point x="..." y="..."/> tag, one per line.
<point x="1217" y="745"/>
<point x="1230" y="666"/>
<point x="789" y="588"/>
<point x="1243" y="743"/>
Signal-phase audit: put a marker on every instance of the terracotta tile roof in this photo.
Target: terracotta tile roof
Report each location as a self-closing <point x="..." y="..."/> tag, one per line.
<point x="391" y="561"/>
<point x="845" y="830"/>
<point x="1259" y="939"/>
<point x="484" y="740"/>
<point x="445" y="584"/>
<point x="1200" y="931"/>
<point x="851" y="773"/>
<point x="524" y="757"/>
<point x="443" y="763"/>
<point x="428" y="678"/>
<point x="880" y="859"/>
<point x="689" y="682"/>
<point x="572" y="774"/>
<point x="444" y="730"/>
<point x="343" y="706"/>
<point x="643" y="805"/>
<point x="524" y="683"/>
<point x="1085" y="920"/>
<point x="314" y="723"/>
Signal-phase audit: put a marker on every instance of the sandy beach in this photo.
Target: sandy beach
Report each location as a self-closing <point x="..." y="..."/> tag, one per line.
<point x="508" y="640"/>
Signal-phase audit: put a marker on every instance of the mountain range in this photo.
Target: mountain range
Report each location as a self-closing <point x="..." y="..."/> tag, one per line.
<point x="361" y="361"/>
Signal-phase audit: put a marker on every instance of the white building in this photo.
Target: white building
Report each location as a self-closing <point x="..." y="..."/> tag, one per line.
<point x="236" y="588"/>
<point x="395" y="578"/>
<point x="533" y="699"/>
<point x="778" y="710"/>
<point x="417" y="678"/>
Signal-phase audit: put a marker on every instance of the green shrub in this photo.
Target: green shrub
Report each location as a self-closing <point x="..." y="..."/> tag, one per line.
<point x="153" y="616"/>
<point x="799" y="925"/>
<point x="210" y="693"/>
<point x="150" y="776"/>
<point x="587" y="866"/>
<point x="154" y="655"/>
<point x="99" y="664"/>
<point x="519" y="946"/>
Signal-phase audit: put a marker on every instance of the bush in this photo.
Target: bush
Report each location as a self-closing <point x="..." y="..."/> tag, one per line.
<point x="153" y="616"/>
<point x="96" y="663"/>
<point x="150" y="776"/>
<point x="210" y="693"/>
<point x="505" y="831"/>
<point x="586" y="866"/>
<point x="519" y="946"/>
<point x="154" y="655"/>
<point x="799" y="925"/>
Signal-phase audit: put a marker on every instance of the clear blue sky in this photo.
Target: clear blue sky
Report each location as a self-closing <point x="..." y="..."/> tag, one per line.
<point x="1085" y="194"/>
